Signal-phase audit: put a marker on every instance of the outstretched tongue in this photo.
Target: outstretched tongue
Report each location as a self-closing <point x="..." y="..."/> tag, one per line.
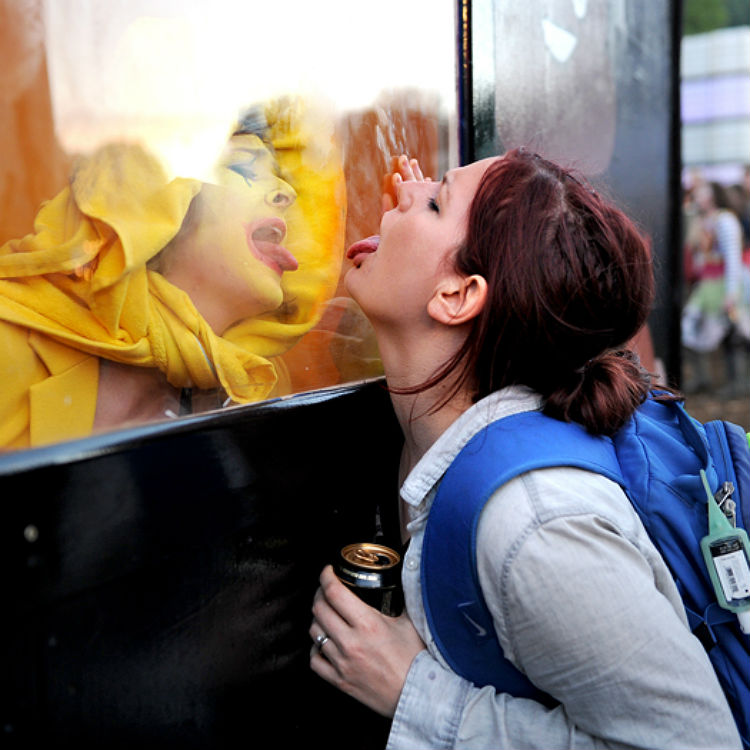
<point x="267" y="240"/>
<point x="364" y="247"/>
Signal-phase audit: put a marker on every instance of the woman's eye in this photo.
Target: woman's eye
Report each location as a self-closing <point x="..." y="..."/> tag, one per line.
<point x="433" y="204"/>
<point x="245" y="170"/>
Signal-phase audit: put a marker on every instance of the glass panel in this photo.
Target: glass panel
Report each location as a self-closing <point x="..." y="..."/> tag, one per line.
<point x="180" y="182"/>
<point x="589" y="97"/>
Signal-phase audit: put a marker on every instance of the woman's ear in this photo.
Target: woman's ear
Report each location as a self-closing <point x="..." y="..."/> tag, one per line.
<point x="458" y="299"/>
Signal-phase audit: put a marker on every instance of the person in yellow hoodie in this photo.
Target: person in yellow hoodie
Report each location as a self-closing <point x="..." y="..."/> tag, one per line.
<point x="136" y="298"/>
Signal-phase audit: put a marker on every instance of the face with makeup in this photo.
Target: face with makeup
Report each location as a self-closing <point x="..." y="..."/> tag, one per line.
<point x="396" y="274"/>
<point x="229" y="256"/>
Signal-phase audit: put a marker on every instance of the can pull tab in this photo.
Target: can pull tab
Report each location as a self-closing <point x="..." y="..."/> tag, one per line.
<point x="726" y="551"/>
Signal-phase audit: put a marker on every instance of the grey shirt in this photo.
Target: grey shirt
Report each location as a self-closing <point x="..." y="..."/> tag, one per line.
<point x="582" y="603"/>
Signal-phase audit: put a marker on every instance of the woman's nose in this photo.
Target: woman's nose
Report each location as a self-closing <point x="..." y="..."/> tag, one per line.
<point x="281" y="195"/>
<point x="405" y="195"/>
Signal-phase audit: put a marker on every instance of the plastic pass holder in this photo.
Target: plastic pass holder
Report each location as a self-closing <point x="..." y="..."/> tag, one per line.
<point x="726" y="550"/>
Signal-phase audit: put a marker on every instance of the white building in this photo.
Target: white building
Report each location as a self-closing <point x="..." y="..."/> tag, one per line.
<point x="715" y="93"/>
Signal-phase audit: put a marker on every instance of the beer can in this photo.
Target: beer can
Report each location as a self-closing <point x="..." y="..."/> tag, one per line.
<point x="373" y="572"/>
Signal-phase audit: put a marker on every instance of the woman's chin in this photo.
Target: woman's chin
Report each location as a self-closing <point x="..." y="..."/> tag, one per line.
<point x="260" y="306"/>
<point x="350" y="283"/>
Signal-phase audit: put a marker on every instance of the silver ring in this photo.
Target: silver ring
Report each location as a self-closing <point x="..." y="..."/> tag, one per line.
<point x="321" y="640"/>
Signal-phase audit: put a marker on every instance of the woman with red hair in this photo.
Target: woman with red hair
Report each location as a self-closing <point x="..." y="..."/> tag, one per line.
<point x="511" y="286"/>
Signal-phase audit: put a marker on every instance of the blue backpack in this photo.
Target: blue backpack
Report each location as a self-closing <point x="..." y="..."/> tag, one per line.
<point x="657" y="458"/>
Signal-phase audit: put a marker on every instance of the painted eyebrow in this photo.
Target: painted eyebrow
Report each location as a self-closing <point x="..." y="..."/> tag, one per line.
<point x="258" y="153"/>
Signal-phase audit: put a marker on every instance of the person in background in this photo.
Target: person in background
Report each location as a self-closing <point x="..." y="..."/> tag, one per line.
<point x="717" y="311"/>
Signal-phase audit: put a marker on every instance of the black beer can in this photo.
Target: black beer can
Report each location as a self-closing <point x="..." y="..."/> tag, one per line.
<point x="373" y="572"/>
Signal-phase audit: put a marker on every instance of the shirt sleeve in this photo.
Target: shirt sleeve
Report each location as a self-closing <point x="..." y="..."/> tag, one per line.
<point x="585" y="606"/>
<point x="729" y="243"/>
<point x="440" y="710"/>
<point x="587" y="611"/>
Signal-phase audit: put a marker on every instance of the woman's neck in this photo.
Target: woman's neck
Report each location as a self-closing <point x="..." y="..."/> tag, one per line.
<point x="421" y="428"/>
<point x="413" y="353"/>
<point x="421" y="422"/>
<point x="409" y="361"/>
<point x="133" y="395"/>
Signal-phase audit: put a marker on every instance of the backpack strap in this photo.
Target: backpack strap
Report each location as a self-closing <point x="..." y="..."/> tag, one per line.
<point x="729" y="447"/>
<point x="456" y="611"/>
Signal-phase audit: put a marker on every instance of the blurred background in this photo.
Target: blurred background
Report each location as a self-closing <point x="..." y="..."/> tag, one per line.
<point x="715" y="113"/>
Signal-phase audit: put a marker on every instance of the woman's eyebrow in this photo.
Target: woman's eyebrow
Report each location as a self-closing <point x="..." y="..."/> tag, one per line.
<point x="259" y="153"/>
<point x="251" y="151"/>
<point x="445" y="185"/>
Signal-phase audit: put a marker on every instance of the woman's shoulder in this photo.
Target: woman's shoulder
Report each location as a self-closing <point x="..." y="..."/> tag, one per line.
<point x="727" y="224"/>
<point x="552" y="529"/>
<point x="536" y="499"/>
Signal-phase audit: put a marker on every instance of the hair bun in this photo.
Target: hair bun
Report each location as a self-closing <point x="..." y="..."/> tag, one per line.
<point x="603" y="393"/>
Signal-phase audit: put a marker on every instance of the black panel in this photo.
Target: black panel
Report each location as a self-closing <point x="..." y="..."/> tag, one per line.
<point x="158" y="583"/>
<point x="610" y="108"/>
<point x="645" y="170"/>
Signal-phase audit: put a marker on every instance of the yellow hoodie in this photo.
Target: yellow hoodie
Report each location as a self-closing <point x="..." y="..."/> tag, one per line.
<point x="78" y="288"/>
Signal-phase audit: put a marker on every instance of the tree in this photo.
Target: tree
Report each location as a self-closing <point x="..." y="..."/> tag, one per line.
<point x="739" y="12"/>
<point x="704" y="15"/>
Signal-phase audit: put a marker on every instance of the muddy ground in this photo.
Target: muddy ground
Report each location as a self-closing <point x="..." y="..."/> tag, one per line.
<point x="710" y="404"/>
<point x="705" y="406"/>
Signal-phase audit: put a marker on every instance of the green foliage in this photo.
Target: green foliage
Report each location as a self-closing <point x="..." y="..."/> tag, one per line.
<point x="739" y="12"/>
<point x="699" y="16"/>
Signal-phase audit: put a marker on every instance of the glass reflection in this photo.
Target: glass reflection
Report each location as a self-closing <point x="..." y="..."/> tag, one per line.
<point x="129" y="297"/>
<point x="137" y="284"/>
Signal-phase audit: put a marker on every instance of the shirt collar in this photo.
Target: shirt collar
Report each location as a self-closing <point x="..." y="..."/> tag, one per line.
<point x="431" y="467"/>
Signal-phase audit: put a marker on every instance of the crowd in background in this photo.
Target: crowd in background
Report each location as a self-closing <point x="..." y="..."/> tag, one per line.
<point x="716" y="311"/>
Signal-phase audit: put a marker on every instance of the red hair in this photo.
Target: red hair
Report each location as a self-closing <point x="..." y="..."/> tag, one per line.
<point x="570" y="282"/>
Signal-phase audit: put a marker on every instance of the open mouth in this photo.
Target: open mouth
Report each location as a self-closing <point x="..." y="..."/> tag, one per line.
<point x="360" y="250"/>
<point x="264" y="238"/>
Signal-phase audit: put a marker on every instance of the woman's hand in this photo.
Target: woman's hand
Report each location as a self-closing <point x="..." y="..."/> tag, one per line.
<point x="403" y="170"/>
<point x="366" y="654"/>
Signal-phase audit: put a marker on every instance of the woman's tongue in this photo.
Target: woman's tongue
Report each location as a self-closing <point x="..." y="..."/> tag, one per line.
<point x="266" y="242"/>
<point x="362" y="248"/>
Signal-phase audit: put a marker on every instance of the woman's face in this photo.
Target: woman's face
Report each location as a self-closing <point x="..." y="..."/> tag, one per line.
<point x="229" y="257"/>
<point x="393" y="279"/>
